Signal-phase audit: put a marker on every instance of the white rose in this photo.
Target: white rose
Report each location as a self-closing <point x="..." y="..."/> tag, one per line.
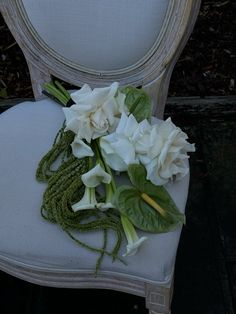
<point x="118" y="148"/>
<point x="148" y="144"/>
<point x="95" y="112"/>
<point x="162" y="148"/>
<point x="166" y="152"/>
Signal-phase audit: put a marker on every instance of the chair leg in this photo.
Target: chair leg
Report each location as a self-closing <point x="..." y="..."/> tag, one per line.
<point x="158" y="299"/>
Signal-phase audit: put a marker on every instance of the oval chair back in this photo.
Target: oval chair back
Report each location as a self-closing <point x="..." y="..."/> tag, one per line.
<point x="99" y="42"/>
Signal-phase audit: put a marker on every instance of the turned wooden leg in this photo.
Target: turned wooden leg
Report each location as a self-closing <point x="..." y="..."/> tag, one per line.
<point x="158" y="299"/>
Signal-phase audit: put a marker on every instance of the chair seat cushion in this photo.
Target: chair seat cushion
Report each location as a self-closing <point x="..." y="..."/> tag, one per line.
<point x="26" y="134"/>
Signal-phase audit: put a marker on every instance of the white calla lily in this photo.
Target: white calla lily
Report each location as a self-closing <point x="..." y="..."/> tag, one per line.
<point x="134" y="242"/>
<point x="80" y="149"/>
<point x="89" y="201"/>
<point x="95" y="176"/>
<point x="104" y="206"/>
<point x="92" y="179"/>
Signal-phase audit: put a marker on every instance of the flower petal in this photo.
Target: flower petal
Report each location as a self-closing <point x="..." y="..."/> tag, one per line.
<point x="80" y="149"/>
<point x="88" y="201"/>
<point x="117" y="151"/>
<point x="134" y="241"/>
<point x="132" y="248"/>
<point x="110" y="155"/>
<point x="118" y="148"/>
<point x="125" y="150"/>
<point x="120" y="100"/>
<point x="95" y="112"/>
<point x="127" y="125"/>
<point x="77" y="96"/>
<point x="95" y="176"/>
<point x="104" y="206"/>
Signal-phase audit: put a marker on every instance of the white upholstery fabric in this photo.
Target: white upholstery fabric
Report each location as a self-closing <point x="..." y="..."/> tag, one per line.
<point x="82" y="34"/>
<point x="26" y="134"/>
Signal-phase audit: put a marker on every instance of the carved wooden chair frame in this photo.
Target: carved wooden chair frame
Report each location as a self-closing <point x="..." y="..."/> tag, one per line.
<point x="152" y="72"/>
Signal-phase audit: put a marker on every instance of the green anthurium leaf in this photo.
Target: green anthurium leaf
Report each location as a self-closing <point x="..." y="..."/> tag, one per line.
<point x="138" y="102"/>
<point x="137" y="174"/>
<point x="131" y="202"/>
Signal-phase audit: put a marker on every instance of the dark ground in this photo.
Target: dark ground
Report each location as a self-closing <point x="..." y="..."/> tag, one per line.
<point x="205" y="279"/>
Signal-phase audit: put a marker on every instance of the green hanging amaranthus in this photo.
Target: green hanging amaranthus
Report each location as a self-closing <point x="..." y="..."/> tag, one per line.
<point x="64" y="188"/>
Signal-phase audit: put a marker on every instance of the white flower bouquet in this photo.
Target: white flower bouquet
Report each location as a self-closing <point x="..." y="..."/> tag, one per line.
<point x="109" y="134"/>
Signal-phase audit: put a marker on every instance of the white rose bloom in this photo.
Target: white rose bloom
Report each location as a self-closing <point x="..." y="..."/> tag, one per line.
<point x="118" y="148"/>
<point x="148" y="144"/>
<point x="162" y="148"/>
<point x="95" y="112"/>
<point x="165" y="153"/>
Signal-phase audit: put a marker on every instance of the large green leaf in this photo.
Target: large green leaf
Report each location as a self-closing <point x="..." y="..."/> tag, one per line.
<point x="130" y="202"/>
<point x="138" y="102"/>
<point x="137" y="174"/>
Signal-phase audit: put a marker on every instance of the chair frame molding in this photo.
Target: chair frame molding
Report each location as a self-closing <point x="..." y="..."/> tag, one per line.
<point x="152" y="72"/>
<point x="158" y="296"/>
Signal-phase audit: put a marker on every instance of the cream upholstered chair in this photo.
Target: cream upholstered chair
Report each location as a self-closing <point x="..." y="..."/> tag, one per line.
<point x="95" y="42"/>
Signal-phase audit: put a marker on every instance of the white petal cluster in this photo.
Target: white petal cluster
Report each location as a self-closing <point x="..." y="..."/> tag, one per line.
<point x="95" y="113"/>
<point x="162" y="148"/>
<point x="165" y="157"/>
<point x="118" y="148"/>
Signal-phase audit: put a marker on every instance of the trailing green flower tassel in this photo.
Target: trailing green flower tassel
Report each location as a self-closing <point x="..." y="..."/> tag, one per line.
<point x="64" y="188"/>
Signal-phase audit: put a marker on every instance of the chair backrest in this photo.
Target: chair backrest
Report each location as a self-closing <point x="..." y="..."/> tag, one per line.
<point x="97" y="42"/>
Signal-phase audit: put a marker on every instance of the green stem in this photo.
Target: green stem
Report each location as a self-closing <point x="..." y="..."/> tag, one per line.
<point x="56" y="93"/>
<point x="111" y="187"/>
<point x="62" y="90"/>
<point x="90" y="163"/>
<point x="113" y="184"/>
<point x="106" y="167"/>
<point x="129" y="230"/>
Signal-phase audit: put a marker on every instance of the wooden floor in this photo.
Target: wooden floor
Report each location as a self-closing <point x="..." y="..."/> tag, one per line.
<point x="205" y="278"/>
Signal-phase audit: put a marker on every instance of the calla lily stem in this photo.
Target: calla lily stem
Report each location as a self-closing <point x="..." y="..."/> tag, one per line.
<point x="105" y="165"/>
<point x="134" y="242"/>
